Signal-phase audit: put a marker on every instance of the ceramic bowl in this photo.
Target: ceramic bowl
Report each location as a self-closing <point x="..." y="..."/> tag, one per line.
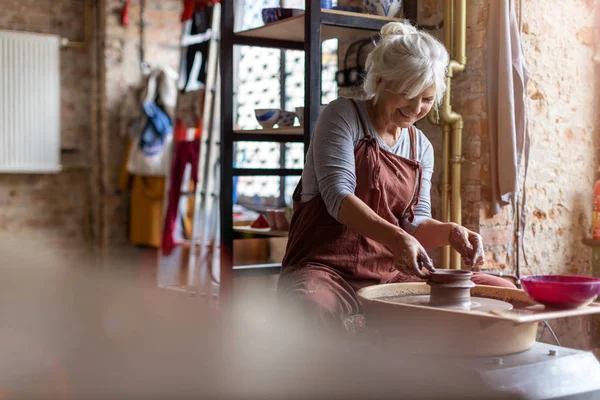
<point x="300" y="113"/>
<point x="267" y="117"/>
<point x="385" y="8"/>
<point x="286" y="118"/>
<point x="561" y="291"/>
<point x="274" y="14"/>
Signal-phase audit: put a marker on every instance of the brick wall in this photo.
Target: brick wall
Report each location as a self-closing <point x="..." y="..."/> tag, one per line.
<point x="161" y="35"/>
<point x="564" y="141"/>
<point x="54" y="209"/>
<point x="558" y="43"/>
<point x="67" y="210"/>
<point x="563" y="148"/>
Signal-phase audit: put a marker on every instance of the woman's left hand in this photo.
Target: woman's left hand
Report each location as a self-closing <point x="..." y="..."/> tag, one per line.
<point x="468" y="244"/>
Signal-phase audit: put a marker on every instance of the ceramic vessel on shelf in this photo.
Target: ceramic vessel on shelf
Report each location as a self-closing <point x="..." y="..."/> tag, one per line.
<point x="561" y="291"/>
<point x="327" y="4"/>
<point x="385" y="8"/>
<point x="271" y="218"/>
<point x="286" y="118"/>
<point x="270" y="15"/>
<point x="300" y="113"/>
<point x="281" y="222"/>
<point x="267" y="117"/>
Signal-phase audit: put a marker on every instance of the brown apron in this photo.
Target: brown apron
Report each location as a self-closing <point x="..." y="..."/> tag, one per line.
<point x="325" y="262"/>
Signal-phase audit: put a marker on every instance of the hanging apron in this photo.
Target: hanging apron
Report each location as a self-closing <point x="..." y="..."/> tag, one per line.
<point x="325" y="262"/>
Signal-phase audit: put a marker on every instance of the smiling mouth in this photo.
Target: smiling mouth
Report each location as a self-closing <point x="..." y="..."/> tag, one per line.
<point x="405" y="115"/>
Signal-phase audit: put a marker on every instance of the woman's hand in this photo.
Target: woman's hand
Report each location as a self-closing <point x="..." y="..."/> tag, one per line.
<point x="410" y="256"/>
<point x="468" y="244"/>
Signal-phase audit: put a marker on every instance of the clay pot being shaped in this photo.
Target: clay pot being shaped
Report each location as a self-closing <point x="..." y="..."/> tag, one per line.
<point x="450" y="287"/>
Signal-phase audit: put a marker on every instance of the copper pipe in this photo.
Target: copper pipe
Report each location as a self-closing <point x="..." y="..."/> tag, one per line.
<point x="445" y="217"/>
<point x="449" y="26"/>
<point x="455" y="179"/>
<point x="455" y="41"/>
<point x="460" y="16"/>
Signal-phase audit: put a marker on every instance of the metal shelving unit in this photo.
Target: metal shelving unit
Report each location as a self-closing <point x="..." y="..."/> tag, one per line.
<point x="303" y="32"/>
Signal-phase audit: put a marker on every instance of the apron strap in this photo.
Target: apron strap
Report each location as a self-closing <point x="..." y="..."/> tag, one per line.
<point x="419" y="171"/>
<point x="369" y="139"/>
<point x="413" y="142"/>
<point x="363" y="123"/>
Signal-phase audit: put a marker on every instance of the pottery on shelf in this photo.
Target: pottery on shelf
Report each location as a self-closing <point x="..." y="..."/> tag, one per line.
<point x="281" y="222"/>
<point x="274" y="14"/>
<point x="450" y="288"/>
<point x="328" y="4"/>
<point x="385" y="8"/>
<point x="267" y="117"/>
<point x="286" y="118"/>
<point x="271" y="218"/>
<point x="300" y="113"/>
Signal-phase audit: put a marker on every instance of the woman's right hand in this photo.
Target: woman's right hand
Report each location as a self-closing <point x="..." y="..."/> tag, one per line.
<point x="410" y="256"/>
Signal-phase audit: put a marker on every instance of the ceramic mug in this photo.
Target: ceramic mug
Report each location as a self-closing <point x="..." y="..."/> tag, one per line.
<point x="328" y="4"/>
<point x="385" y="8"/>
<point x="286" y="118"/>
<point x="271" y="219"/>
<point x="300" y="113"/>
<point x="281" y="222"/>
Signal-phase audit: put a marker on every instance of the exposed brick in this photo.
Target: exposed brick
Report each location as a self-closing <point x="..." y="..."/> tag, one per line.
<point x="496" y="237"/>
<point x="585" y="36"/>
<point x="47" y="207"/>
<point x="476" y="106"/>
<point x="477" y="39"/>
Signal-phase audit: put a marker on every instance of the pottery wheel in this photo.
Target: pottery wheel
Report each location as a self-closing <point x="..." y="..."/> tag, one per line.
<point x="482" y="304"/>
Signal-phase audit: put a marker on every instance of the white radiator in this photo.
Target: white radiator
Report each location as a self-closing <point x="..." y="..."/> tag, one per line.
<point x="29" y="103"/>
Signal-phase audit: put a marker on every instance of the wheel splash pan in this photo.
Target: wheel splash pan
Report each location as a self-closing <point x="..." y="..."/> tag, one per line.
<point x="421" y="329"/>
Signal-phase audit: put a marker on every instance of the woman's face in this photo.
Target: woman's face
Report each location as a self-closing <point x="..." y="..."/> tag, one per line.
<point x="397" y="109"/>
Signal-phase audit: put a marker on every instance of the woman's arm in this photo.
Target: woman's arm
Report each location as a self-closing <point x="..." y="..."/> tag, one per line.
<point x="408" y="253"/>
<point x="432" y="233"/>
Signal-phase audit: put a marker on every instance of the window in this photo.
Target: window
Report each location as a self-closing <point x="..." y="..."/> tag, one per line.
<point x="271" y="78"/>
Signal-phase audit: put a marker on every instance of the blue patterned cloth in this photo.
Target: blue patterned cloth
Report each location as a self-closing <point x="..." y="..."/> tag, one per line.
<point x="158" y="126"/>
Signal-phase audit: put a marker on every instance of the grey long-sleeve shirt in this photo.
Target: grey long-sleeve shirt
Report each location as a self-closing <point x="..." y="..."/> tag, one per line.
<point x="330" y="170"/>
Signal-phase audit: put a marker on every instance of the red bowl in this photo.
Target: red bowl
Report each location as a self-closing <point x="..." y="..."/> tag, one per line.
<point x="561" y="291"/>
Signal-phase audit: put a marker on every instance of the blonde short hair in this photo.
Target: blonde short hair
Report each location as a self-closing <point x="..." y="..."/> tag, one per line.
<point x="408" y="61"/>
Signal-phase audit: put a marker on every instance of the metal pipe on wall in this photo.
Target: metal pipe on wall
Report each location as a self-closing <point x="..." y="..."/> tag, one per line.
<point x="455" y="41"/>
<point x="445" y="217"/>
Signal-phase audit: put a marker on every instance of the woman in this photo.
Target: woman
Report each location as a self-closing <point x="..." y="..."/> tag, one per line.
<point x="362" y="213"/>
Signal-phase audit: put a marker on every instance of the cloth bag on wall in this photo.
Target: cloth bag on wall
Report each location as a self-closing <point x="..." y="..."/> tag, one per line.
<point x="151" y="150"/>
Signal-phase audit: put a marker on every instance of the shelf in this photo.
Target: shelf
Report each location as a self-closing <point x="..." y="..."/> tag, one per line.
<point x="246" y="231"/>
<point x="266" y="171"/>
<point x="291" y="134"/>
<point x="335" y="23"/>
